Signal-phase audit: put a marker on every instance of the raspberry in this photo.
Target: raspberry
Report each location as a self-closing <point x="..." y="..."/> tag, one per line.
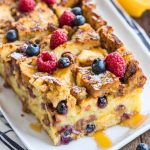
<point x="58" y="37"/>
<point x="47" y="62"/>
<point x="50" y="2"/>
<point x="67" y="18"/>
<point x="26" y="5"/>
<point x="116" y="64"/>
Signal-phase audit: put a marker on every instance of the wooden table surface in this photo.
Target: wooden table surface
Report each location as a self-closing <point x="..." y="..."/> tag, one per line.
<point x="144" y="21"/>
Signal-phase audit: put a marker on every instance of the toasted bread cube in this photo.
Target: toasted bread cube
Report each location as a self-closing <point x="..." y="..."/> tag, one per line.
<point x="35" y="23"/>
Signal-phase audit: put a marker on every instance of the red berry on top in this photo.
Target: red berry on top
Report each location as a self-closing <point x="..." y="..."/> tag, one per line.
<point x="58" y="37"/>
<point x="26" y="5"/>
<point x="67" y="18"/>
<point x="50" y="2"/>
<point x="47" y="62"/>
<point x="116" y="64"/>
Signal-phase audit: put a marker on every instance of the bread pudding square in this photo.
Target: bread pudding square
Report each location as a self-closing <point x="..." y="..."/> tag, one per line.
<point x="74" y="74"/>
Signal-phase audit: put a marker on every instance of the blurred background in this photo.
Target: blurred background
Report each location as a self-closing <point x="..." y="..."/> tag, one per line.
<point x="144" y="21"/>
<point x="139" y="10"/>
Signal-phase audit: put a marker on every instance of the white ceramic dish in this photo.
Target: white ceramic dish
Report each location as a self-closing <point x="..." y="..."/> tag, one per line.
<point x="11" y="106"/>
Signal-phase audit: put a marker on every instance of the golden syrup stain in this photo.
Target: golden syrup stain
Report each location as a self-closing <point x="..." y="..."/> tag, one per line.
<point x="36" y="126"/>
<point x="102" y="139"/>
<point x="135" y="121"/>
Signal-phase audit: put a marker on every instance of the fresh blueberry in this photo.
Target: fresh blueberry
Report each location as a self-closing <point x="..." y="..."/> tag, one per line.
<point x="64" y="62"/>
<point x="98" y="66"/>
<point x="90" y="128"/>
<point x="77" y="11"/>
<point x="102" y="102"/>
<point x="12" y="35"/>
<point x="62" y="107"/>
<point x="32" y="50"/>
<point x="68" y="132"/>
<point x="79" y="20"/>
<point x="142" y="146"/>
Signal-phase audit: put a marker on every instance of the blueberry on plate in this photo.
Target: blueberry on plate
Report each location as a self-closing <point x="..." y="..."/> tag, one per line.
<point x="64" y="62"/>
<point x="79" y="20"/>
<point x="62" y="107"/>
<point x="98" y="66"/>
<point x="90" y="128"/>
<point x="32" y="50"/>
<point x="77" y="11"/>
<point x="102" y="102"/>
<point x="142" y="146"/>
<point x="12" y="35"/>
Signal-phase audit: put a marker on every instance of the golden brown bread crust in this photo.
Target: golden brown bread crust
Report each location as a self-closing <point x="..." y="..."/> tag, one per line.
<point x="8" y="2"/>
<point x="92" y="18"/>
<point x="132" y="67"/>
<point x="5" y="17"/>
<point x="97" y="85"/>
<point x="7" y="49"/>
<point x="86" y="34"/>
<point x="108" y="40"/>
<point x="52" y="89"/>
<point x="69" y="3"/>
<point x="134" y="76"/>
<point x="79" y="93"/>
<point x="33" y="24"/>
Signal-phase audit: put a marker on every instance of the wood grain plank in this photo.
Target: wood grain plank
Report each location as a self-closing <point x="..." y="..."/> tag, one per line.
<point x="145" y="138"/>
<point x="132" y="145"/>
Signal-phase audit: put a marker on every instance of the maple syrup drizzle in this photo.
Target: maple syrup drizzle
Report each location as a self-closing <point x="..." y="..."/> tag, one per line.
<point x="135" y="121"/>
<point x="102" y="139"/>
<point x="36" y="127"/>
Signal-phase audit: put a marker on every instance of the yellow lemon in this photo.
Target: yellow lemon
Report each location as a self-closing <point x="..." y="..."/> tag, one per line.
<point x="135" y="7"/>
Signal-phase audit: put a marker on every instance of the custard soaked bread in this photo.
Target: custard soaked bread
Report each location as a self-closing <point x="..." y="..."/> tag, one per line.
<point x="68" y="68"/>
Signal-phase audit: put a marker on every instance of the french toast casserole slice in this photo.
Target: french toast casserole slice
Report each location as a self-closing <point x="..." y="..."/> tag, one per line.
<point x="75" y="78"/>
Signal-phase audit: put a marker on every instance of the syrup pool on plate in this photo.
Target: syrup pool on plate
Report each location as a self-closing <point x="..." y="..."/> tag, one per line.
<point x="102" y="139"/>
<point x="135" y="121"/>
<point x="36" y="126"/>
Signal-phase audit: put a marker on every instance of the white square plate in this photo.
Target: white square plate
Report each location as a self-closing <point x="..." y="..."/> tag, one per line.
<point x="11" y="106"/>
